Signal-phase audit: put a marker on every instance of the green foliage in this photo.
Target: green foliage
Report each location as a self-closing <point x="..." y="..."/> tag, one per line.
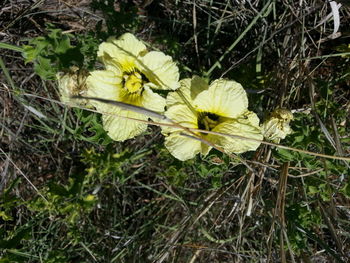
<point x="88" y="45"/>
<point x="15" y="235"/>
<point x="57" y="256"/>
<point x="51" y="53"/>
<point x="304" y="219"/>
<point x="213" y="168"/>
<point x="346" y="190"/>
<point x="304" y="216"/>
<point x="13" y="238"/>
<point x="92" y="123"/>
<point x="67" y="208"/>
<point x="9" y="202"/>
<point x="106" y="164"/>
<point x="120" y="17"/>
<point x="175" y="174"/>
<point x="66" y="202"/>
<point x="54" y="52"/>
<point x="175" y="171"/>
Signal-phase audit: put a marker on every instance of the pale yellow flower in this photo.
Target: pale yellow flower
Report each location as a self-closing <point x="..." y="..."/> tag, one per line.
<point x="219" y="107"/>
<point x="72" y="83"/>
<point x="130" y="75"/>
<point x="276" y="127"/>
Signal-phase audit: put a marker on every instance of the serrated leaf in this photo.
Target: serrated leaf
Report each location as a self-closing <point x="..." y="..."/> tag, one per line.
<point x="29" y="54"/>
<point x="63" y="46"/>
<point x="44" y="68"/>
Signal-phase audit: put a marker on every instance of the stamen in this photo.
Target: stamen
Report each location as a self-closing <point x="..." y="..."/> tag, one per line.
<point x="207" y="121"/>
<point x="134" y="81"/>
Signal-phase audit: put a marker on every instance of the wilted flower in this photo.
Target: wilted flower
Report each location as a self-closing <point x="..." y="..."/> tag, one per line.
<point x="130" y="75"/>
<point x="72" y="83"/>
<point x="276" y="127"/>
<point x="219" y="107"/>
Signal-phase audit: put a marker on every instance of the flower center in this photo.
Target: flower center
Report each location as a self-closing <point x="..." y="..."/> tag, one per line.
<point x="207" y="121"/>
<point x="133" y="82"/>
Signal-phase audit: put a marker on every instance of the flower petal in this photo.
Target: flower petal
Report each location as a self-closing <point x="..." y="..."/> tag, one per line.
<point x="205" y="148"/>
<point x="103" y="84"/>
<point x="224" y="98"/>
<point x="179" y="96"/>
<point x="121" y="129"/>
<point x="181" y="147"/>
<point x="182" y="115"/>
<point x="246" y="125"/>
<point x="152" y="101"/>
<point x="189" y="89"/>
<point x="160" y="69"/>
<point x="124" y="51"/>
<point x="197" y="86"/>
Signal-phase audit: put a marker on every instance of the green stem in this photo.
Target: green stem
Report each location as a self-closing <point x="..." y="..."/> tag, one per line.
<point x="11" y="47"/>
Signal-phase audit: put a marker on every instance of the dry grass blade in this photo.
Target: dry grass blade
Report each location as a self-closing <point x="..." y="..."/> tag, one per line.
<point x="188" y="222"/>
<point x="259" y="15"/>
<point x="278" y="214"/>
<point x="337" y="137"/>
<point x="233" y="156"/>
<point x="322" y="126"/>
<point x="126" y="106"/>
<point x="277" y="145"/>
<point x="22" y="13"/>
<point x="194" y="14"/>
<point x="24" y="176"/>
<point x="281" y="202"/>
<point x="331" y="228"/>
<point x="192" y="130"/>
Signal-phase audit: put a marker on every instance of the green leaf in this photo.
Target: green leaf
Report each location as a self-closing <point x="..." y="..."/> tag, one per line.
<point x="44" y="68"/>
<point x="286" y="154"/>
<point x="63" y="45"/>
<point x="313" y="190"/>
<point x="29" y="53"/>
<point x="58" y="189"/>
<point x="10" y="47"/>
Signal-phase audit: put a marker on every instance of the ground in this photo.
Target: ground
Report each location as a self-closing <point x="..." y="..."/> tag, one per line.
<point x="71" y="194"/>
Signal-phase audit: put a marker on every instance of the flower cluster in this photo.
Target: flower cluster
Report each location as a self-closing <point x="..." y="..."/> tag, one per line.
<point x="200" y="113"/>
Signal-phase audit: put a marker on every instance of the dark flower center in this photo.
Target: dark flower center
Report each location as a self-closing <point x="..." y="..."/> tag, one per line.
<point x="207" y="121"/>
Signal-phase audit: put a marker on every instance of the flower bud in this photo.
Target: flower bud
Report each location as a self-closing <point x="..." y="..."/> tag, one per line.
<point x="72" y="83"/>
<point x="276" y="127"/>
